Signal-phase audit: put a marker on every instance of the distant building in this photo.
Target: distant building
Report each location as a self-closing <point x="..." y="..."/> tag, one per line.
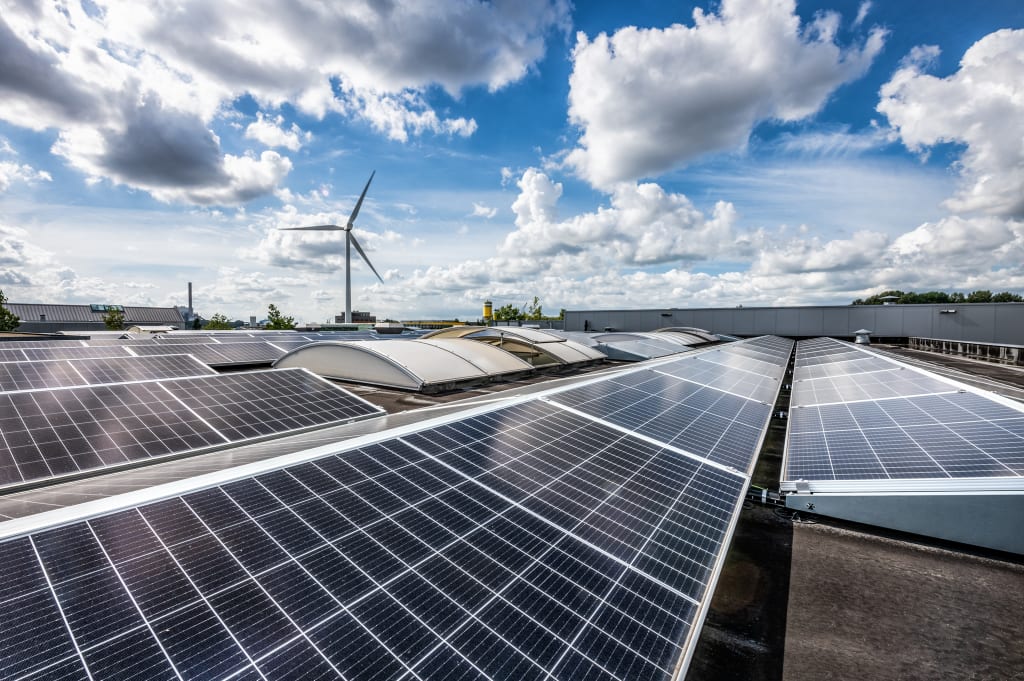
<point x="44" y="318"/>
<point x="357" y="318"/>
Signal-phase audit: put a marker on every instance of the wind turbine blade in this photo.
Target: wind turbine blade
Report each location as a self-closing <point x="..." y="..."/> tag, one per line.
<point x="359" y="203"/>
<point x="321" y="228"/>
<point x="363" y="255"/>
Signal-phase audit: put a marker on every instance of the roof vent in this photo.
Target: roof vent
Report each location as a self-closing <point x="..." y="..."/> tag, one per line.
<point x="862" y="337"/>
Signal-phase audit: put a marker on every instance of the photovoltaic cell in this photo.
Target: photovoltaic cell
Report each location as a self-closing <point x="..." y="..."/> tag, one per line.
<point x="894" y="422"/>
<point x="61" y="373"/>
<point x="52" y="433"/>
<point x="525" y="542"/>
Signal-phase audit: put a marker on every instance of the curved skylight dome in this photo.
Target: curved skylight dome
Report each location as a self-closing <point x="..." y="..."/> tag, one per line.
<point x="423" y="365"/>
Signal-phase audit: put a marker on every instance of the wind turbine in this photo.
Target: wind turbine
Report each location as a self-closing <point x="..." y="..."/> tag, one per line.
<point x="350" y="240"/>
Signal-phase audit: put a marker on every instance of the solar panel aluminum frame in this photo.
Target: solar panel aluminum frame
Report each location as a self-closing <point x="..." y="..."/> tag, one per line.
<point x="173" y="456"/>
<point x="65" y="516"/>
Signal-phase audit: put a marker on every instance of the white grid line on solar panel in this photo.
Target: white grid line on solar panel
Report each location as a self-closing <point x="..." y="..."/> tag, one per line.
<point x="220" y="354"/>
<point x="700" y="458"/>
<point x="779" y="347"/>
<point x="65" y="431"/>
<point x="892" y="382"/>
<point x="962" y="435"/>
<point x="754" y="352"/>
<point x="732" y="360"/>
<point x="845" y="368"/>
<point x="736" y="382"/>
<point x="718" y="427"/>
<point x="198" y="340"/>
<point x="125" y="369"/>
<point x="828" y="359"/>
<point x="30" y="354"/>
<point x="30" y="375"/>
<point x="52" y="433"/>
<point x="477" y="612"/>
<point x="607" y="472"/>
<point x="546" y="520"/>
<point x="20" y="345"/>
<point x="56" y="601"/>
<point x="783" y="345"/>
<point x="58" y="373"/>
<point x="287" y="346"/>
<point x="686" y="369"/>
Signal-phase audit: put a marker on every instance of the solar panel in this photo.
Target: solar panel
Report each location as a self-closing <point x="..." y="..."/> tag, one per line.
<point x="57" y="373"/>
<point x="50" y="434"/>
<point x="218" y="354"/>
<point x="29" y="354"/>
<point x="123" y="369"/>
<point x="887" y="421"/>
<point x="526" y="541"/>
<point x="42" y="374"/>
<point x="692" y="403"/>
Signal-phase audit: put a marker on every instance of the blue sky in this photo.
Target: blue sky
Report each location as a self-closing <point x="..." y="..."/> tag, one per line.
<point x="607" y="154"/>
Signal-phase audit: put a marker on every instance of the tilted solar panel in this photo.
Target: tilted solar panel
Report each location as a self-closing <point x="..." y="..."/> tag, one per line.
<point x="884" y="420"/>
<point x="26" y="375"/>
<point x="218" y="354"/>
<point x="520" y="542"/>
<point x="49" y="434"/>
<point x="57" y="373"/>
<point x="62" y="353"/>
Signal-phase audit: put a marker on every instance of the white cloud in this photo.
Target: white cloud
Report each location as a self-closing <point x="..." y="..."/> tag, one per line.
<point x="268" y="131"/>
<point x="648" y="100"/>
<point x="20" y="172"/>
<point x="134" y="90"/>
<point x="981" y="106"/>
<point x="862" y="13"/>
<point x="642" y="224"/>
<point x="483" y="211"/>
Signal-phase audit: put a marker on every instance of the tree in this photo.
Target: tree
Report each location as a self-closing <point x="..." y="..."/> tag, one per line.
<point x="981" y="296"/>
<point x="507" y="313"/>
<point x="1006" y="297"/>
<point x="8" y="320"/>
<point x="218" y="322"/>
<point x="197" y="323"/>
<point x="276" y="320"/>
<point x="533" y="310"/>
<point x="114" y="319"/>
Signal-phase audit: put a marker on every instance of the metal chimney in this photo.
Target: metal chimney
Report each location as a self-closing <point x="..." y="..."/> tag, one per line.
<point x="190" y="300"/>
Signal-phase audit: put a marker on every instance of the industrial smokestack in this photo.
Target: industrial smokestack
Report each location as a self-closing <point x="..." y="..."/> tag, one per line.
<point x="190" y="300"/>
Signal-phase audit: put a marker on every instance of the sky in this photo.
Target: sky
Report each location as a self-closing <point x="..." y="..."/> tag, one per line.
<point x="597" y="155"/>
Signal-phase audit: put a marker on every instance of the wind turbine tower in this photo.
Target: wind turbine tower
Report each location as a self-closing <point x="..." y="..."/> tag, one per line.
<point x="350" y="240"/>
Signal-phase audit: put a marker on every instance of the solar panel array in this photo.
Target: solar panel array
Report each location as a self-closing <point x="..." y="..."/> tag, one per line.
<point x="217" y="354"/>
<point x="46" y="434"/>
<point x="523" y="542"/>
<point x="58" y="373"/>
<point x="859" y="416"/>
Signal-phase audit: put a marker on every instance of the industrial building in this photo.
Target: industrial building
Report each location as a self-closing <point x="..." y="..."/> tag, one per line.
<point x="999" y="323"/>
<point x="72" y="319"/>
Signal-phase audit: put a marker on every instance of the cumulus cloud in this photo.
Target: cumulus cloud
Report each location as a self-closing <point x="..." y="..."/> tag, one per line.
<point x="981" y="106"/>
<point x="134" y="90"/>
<point x="20" y="172"/>
<point x="268" y="131"/>
<point x="648" y="100"/>
<point x="643" y="224"/>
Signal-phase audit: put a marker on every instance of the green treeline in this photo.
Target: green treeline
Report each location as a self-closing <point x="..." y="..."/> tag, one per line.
<point x="910" y="298"/>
